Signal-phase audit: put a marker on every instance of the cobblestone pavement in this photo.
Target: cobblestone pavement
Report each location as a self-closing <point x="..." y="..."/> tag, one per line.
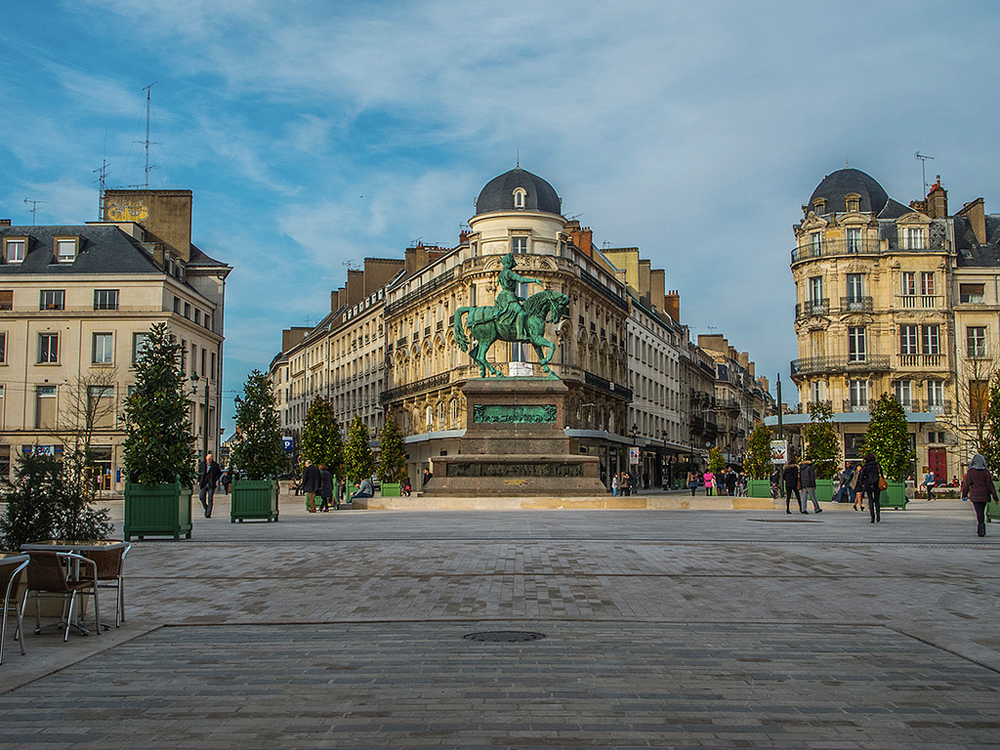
<point x="663" y="629"/>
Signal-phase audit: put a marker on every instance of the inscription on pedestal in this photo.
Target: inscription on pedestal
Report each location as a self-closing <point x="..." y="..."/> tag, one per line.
<point x="486" y="469"/>
<point x="513" y="414"/>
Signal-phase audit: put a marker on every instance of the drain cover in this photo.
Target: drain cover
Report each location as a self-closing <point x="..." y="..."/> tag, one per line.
<point x="504" y="636"/>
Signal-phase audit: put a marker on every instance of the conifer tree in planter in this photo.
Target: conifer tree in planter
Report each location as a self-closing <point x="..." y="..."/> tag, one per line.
<point x="889" y="440"/>
<point x="822" y="447"/>
<point x="391" y="459"/>
<point x="322" y="442"/>
<point x="358" y="460"/>
<point x="758" y="464"/>
<point x="158" y="453"/>
<point x="258" y="455"/>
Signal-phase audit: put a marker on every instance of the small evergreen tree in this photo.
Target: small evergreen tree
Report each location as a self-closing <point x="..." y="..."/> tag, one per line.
<point x="258" y="451"/>
<point x="822" y="445"/>
<point x="991" y="439"/>
<point x="159" y="446"/>
<point x="49" y="500"/>
<point x="358" y="460"/>
<point x="322" y="442"/>
<point x="716" y="462"/>
<point x="758" y="462"/>
<point x="888" y="438"/>
<point x="392" y="453"/>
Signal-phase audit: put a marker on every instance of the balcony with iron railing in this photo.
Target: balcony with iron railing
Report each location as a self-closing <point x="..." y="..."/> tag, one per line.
<point x="602" y="384"/>
<point x="862" y="246"/>
<point x="870" y="363"/>
<point x="812" y="307"/>
<point x="856" y="304"/>
<point x="419" y="386"/>
<point x="914" y="406"/>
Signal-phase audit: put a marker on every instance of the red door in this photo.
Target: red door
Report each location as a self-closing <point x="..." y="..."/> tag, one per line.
<point x="938" y="463"/>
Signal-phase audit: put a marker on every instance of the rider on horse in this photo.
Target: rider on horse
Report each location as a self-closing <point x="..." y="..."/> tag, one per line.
<point x="507" y="303"/>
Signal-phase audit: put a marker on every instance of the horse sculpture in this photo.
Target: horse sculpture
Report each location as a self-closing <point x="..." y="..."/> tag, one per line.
<point x="484" y="326"/>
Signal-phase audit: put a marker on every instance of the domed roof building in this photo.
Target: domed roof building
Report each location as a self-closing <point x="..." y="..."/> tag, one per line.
<point x="518" y="190"/>
<point x="831" y="194"/>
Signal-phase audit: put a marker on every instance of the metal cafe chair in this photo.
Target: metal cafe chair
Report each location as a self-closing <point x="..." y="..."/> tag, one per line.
<point x="51" y="574"/>
<point x="110" y="563"/>
<point x="10" y="577"/>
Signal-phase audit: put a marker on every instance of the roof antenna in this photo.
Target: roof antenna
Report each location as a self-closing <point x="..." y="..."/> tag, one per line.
<point x="923" y="169"/>
<point x="102" y="173"/>
<point x="34" y="208"/>
<point x="147" y="142"/>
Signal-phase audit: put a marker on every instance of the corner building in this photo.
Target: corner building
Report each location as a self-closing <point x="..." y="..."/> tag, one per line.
<point x="519" y="213"/>
<point x="898" y="299"/>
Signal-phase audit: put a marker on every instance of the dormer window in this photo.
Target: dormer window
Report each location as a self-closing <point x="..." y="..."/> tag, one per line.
<point x="519" y="197"/>
<point x="820" y="205"/>
<point x="14" y="249"/>
<point x="853" y="202"/>
<point x="66" y="248"/>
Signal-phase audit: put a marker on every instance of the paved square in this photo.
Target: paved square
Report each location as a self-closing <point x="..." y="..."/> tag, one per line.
<point x="663" y="629"/>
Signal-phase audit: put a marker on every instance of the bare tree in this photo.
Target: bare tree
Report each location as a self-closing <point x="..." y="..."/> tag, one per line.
<point x="969" y="419"/>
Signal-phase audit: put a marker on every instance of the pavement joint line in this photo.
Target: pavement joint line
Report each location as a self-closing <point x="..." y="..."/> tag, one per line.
<point x="941" y="648"/>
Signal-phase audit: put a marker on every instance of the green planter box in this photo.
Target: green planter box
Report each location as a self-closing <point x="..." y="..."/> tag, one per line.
<point x="824" y="490"/>
<point x="894" y="496"/>
<point x="992" y="509"/>
<point x="256" y="499"/>
<point x="758" y="488"/>
<point x="157" y="510"/>
<point x="391" y="489"/>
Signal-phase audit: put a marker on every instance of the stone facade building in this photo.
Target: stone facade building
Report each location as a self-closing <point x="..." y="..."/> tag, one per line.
<point x="75" y="304"/>
<point x="899" y="299"/>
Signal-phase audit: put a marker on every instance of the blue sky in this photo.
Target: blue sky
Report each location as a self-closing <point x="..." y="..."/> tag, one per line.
<point x="316" y="133"/>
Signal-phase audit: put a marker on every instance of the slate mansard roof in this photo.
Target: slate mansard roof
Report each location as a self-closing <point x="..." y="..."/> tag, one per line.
<point x="103" y="248"/>
<point x="498" y="195"/>
<point x="874" y="200"/>
<point x="970" y="251"/>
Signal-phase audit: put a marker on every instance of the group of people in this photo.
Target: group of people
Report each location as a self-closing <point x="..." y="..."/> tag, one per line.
<point x="726" y="482"/>
<point x="317" y="480"/>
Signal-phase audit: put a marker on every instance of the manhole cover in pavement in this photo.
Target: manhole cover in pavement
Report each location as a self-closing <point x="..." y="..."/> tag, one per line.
<point x="504" y="636"/>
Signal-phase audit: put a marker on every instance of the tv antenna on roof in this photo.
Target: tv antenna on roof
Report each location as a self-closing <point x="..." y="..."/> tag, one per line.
<point x="923" y="168"/>
<point x="102" y="176"/>
<point x="147" y="142"/>
<point x="34" y="208"/>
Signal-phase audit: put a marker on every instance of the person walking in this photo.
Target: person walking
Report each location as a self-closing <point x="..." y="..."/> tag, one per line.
<point x="625" y="484"/>
<point x="928" y="481"/>
<point x="857" y="491"/>
<point x="807" y="480"/>
<point x="709" y="478"/>
<point x="325" y="488"/>
<point x="692" y="481"/>
<point x="868" y="480"/>
<point x="310" y="485"/>
<point x="843" y="484"/>
<point x="208" y="478"/>
<point x="791" y="478"/>
<point x="978" y="487"/>
<point x="731" y="482"/>
<point x="614" y="486"/>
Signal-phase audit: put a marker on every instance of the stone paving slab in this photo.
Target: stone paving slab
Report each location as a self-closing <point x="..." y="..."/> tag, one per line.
<point x="626" y="684"/>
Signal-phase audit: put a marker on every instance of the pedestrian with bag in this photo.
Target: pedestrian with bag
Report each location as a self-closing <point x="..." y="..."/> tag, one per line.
<point x="870" y="479"/>
<point x="310" y="485"/>
<point x="978" y="487"/>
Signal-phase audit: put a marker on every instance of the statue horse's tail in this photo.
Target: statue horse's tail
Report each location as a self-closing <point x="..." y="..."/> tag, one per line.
<point x="460" y="338"/>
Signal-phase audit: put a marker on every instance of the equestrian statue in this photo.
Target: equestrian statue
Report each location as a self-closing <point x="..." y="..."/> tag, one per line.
<point x="511" y="319"/>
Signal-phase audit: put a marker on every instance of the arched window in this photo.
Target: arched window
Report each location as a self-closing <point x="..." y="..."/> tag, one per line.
<point x="454" y="412"/>
<point x="519" y="195"/>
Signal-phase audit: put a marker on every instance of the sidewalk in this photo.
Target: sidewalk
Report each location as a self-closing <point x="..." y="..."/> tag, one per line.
<point x="666" y="628"/>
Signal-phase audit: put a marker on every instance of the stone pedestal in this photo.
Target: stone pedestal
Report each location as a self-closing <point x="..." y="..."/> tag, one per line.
<point x="515" y="444"/>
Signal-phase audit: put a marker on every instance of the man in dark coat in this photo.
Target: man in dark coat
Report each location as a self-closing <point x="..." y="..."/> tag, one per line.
<point x="790" y="476"/>
<point x="310" y="485"/>
<point x="208" y="478"/>
<point x="807" y="481"/>
<point x="325" y="488"/>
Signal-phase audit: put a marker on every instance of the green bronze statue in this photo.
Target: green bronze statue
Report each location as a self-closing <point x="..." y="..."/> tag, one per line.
<point x="511" y="319"/>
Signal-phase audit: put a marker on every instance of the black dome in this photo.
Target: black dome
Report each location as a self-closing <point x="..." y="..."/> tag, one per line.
<point x="845" y="182"/>
<point x="498" y="195"/>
